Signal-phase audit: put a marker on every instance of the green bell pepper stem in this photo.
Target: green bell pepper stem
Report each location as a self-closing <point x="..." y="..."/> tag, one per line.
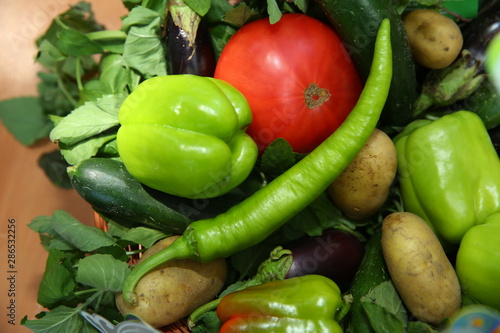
<point x="257" y="217"/>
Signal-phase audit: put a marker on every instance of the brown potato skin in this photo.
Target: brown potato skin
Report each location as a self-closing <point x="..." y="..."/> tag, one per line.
<point x="364" y="185"/>
<point x="419" y="268"/>
<point x="435" y="39"/>
<point x="175" y="289"/>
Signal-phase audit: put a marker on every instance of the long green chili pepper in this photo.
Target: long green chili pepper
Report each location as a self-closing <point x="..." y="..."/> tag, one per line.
<point x="251" y="221"/>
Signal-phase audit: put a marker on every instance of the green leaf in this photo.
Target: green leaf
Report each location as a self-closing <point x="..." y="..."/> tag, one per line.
<point x="88" y="120"/>
<point x="144" y="236"/>
<point x="384" y="309"/>
<point x="143" y="50"/>
<point x="239" y="15"/>
<point x="109" y="40"/>
<point x="277" y="158"/>
<point x="60" y="320"/>
<point x="302" y="5"/>
<point x="274" y="11"/>
<point x="76" y="44"/>
<point x="201" y="7"/>
<point x="58" y="93"/>
<point x="84" y="238"/>
<point x="103" y="272"/>
<point x="57" y="284"/>
<point x="42" y="224"/>
<point x="85" y="149"/>
<point x="420" y="327"/>
<point x="25" y="119"/>
<point x="49" y="55"/>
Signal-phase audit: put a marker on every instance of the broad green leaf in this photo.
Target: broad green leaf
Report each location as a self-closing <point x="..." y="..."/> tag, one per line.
<point x="274" y="11"/>
<point x="76" y="44"/>
<point x="201" y="7"/>
<point x="384" y="309"/>
<point x="42" y="224"/>
<point x="113" y="73"/>
<point x="103" y="272"/>
<point x="109" y="40"/>
<point x="85" y="149"/>
<point x="277" y="158"/>
<point x="59" y="320"/>
<point x="57" y="93"/>
<point x="25" y="119"/>
<point x="143" y="49"/>
<point x="239" y="15"/>
<point x="90" y="119"/>
<point x="49" y="55"/>
<point x="144" y="236"/>
<point x="86" y="238"/>
<point x="302" y="5"/>
<point x="57" y="284"/>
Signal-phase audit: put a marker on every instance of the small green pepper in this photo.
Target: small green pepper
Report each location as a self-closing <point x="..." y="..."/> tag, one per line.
<point x="302" y="304"/>
<point x="449" y="173"/>
<point x="478" y="261"/>
<point x="185" y="135"/>
<point x="257" y="217"/>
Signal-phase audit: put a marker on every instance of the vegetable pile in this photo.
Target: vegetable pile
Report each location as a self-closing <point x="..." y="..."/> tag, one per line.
<point x="270" y="166"/>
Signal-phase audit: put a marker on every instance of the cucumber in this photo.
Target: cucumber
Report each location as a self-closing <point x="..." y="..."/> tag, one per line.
<point x="372" y="271"/>
<point x="113" y="192"/>
<point x="357" y="22"/>
<point x="485" y="102"/>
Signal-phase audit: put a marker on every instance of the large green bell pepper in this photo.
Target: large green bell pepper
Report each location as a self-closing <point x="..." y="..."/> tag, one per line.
<point x="449" y="173"/>
<point x="478" y="260"/>
<point x="185" y="135"/>
<point x="305" y="304"/>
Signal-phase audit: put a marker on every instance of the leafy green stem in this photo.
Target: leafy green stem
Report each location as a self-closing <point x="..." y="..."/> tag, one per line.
<point x="86" y="291"/>
<point x="64" y="90"/>
<point x="78" y="72"/>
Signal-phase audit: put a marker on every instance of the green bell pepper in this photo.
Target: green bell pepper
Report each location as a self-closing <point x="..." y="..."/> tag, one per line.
<point x="477" y="263"/>
<point x="449" y="173"/>
<point x="185" y="135"/>
<point x="297" y="305"/>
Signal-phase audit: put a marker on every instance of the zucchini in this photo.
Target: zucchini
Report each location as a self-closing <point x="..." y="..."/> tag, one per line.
<point x="113" y="192"/>
<point x="372" y="271"/>
<point x="357" y="22"/>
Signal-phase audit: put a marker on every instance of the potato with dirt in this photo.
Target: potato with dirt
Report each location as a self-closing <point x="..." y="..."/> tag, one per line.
<point x="435" y="39"/>
<point x="363" y="187"/>
<point x="420" y="270"/>
<point x="175" y="289"/>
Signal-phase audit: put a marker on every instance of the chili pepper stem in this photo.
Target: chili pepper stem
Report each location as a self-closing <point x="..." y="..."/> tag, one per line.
<point x="179" y="249"/>
<point x="195" y="315"/>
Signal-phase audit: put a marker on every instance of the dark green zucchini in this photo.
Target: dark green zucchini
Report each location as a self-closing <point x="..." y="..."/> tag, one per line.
<point x="370" y="274"/>
<point x="357" y="22"/>
<point x="111" y="190"/>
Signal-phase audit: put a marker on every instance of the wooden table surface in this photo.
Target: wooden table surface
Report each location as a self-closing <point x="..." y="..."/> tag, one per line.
<point x="25" y="191"/>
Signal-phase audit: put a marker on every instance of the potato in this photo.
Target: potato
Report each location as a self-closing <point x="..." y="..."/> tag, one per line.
<point x="363" y="187"/>
<point x="435" y="39"/>
<point x="175" y="289"/>
<point x="419" y="268"/>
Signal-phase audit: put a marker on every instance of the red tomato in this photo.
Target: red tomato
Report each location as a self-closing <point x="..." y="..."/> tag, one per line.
<point x="297" y="77"/>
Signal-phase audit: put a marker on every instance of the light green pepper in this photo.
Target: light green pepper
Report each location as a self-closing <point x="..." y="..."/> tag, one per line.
<point x="185" y="135"/>
<point x="478" y="261"/>
<point x="449" y="173"/>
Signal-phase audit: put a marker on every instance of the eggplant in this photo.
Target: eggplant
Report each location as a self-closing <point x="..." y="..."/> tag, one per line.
<point x="186" y="57"/>
<point x="335" y="254"/>
<point x="478" y="33"/>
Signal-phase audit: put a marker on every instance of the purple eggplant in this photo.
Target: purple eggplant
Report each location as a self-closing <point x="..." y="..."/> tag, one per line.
<point x="335" y="254"/>
<point x="478" y="33"/>
<point x="185" y="56"/>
